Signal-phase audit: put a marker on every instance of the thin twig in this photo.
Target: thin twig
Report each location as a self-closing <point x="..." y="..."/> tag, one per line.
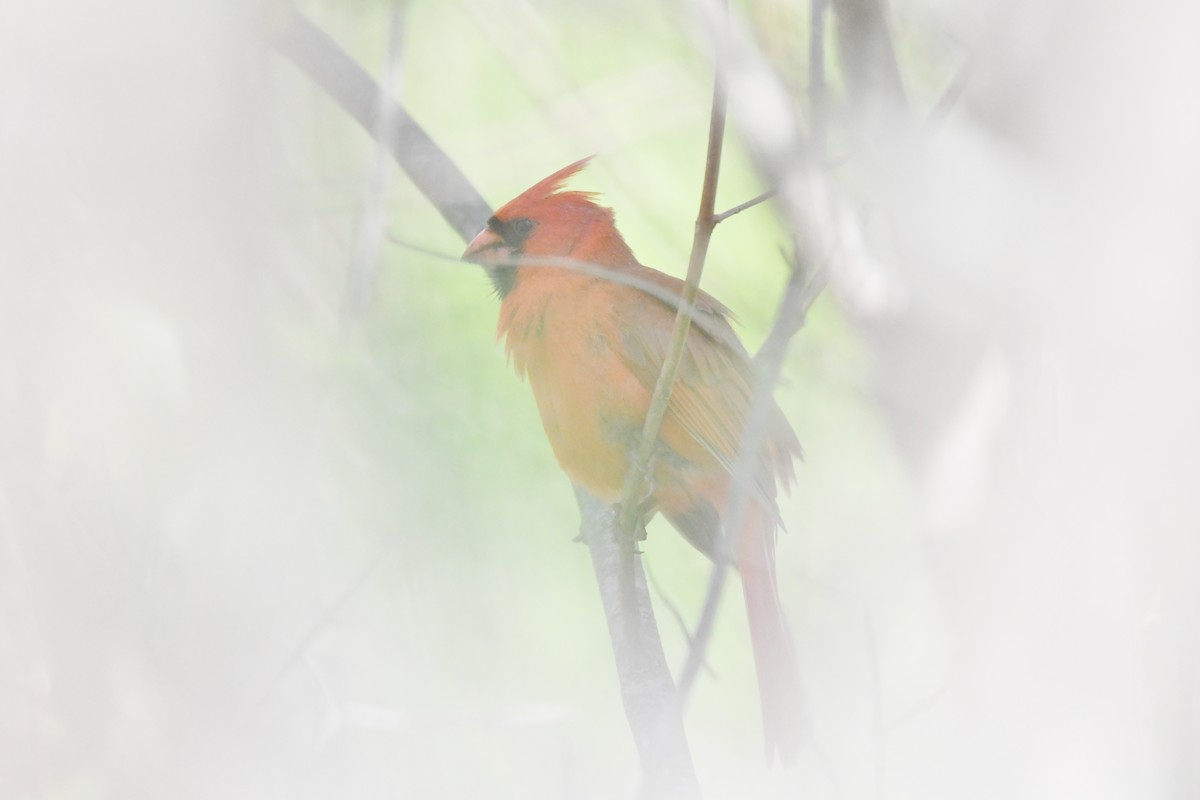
<point x="364" y="574"/>
<point x="923" y="705"/>
<point x="427" y="251"/>
<point x="817" y="100"/>
<point x="635" y="478"/>
<point x="878" y="730"/>
<point x="941" y="109"/>
<point x="705" y="321"/>
<point x="751" y="203"/>
<point x="676" y="615"/>
<point x="804" y="286"/>
<point x="802" y="290"/>
<point x="364" y="257"/>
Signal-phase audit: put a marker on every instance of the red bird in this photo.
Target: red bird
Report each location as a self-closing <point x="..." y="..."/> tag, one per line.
<point x="588" y="326"/>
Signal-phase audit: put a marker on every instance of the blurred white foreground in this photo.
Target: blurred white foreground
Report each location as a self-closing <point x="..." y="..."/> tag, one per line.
<point x="196" y="465"/>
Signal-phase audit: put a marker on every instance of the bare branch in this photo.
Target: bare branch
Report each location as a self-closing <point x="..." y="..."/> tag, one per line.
<point x="867" y="56"/>
<point x="433" y="173"/>
<point x="751" y="203"/>
<point x="635" y="478"/>
<point x="651" y="702"/>
<point x="802" y="290"/>
<point x="879" y="733"/>
<point x="945" y="104"/>
<point x="676" y="615"/>
<point x="300" y="649"/>
<point x="817" y="99"/>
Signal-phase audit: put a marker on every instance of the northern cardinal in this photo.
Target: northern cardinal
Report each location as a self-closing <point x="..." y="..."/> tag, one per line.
<point x="592" y="347"/>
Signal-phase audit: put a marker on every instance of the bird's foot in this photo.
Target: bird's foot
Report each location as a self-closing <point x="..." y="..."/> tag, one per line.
<point x="646" y="510"/>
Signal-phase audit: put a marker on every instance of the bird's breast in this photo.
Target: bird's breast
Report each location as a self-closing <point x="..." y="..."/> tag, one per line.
<point x="591" y="406"/>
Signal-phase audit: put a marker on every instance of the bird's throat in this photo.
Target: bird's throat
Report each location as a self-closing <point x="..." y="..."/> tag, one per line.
<point x="503" y="277"/>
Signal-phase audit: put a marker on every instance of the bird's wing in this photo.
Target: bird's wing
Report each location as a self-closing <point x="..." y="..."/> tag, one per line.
<point x="713" y="385"/>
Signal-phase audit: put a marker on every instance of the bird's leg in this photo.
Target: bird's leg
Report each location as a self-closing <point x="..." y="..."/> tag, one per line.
<point x="646" y="510"/>
<point x="647" y="507"/>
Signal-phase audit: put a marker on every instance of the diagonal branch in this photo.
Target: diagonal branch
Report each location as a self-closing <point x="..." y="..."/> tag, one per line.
<point x="946" y="102"/>
<point x="706" y="221"/>
<point x="802" y="290"/>
<point x="740" y="207"/>
<point x="866" y="53"/>
<point x="349" y="85"/>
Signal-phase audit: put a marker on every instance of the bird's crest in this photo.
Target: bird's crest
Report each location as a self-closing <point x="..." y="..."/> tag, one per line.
<point x="547" y="187"/>
<point x="552" y="183"/>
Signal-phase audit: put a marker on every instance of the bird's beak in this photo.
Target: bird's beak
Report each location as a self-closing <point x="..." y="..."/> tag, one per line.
<point x="488" y="249"/>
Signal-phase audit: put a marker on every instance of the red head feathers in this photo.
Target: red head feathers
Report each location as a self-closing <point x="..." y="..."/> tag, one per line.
<point x="545" y="222"/>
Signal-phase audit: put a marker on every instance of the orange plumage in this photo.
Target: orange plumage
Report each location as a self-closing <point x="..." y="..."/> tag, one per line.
<point x="588" y="326"/>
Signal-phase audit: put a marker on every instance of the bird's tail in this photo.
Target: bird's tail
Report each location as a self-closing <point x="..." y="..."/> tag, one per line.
<point x="774" y="656"/>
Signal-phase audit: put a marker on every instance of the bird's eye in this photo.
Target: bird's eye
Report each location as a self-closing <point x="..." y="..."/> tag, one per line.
<point x="520" y="229"/>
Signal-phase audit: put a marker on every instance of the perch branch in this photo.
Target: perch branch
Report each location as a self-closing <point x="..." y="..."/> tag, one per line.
<point x="648" y="692"/>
